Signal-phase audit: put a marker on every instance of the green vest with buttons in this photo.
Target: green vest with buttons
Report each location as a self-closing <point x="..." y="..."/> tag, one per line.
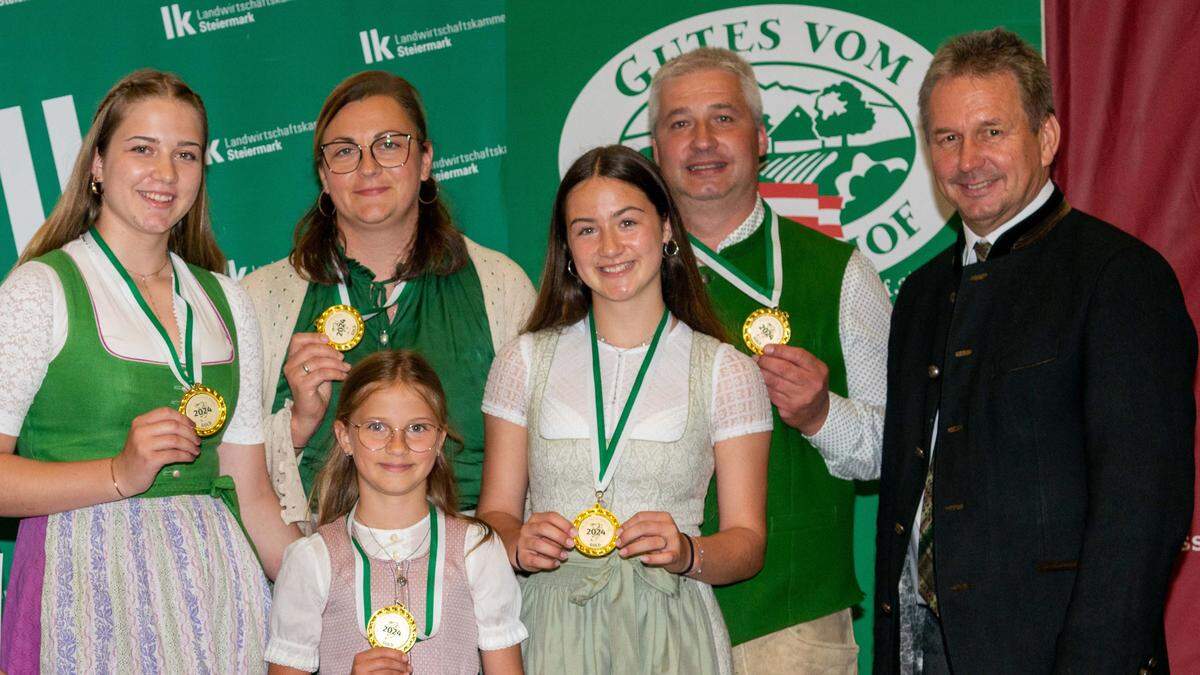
<point x="89" y="397"/>
<point x="808" y="571"/>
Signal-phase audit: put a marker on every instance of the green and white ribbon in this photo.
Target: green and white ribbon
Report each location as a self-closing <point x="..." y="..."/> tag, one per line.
<point x="608" y="452"/>
<point x="392" y="298"/>
<point x="768" y="296"/>
<point x="188" y="372"/>
<point x="434" y="574"/>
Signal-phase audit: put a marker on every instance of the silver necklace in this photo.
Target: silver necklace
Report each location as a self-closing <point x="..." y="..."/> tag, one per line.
<point x="401" y="578"/>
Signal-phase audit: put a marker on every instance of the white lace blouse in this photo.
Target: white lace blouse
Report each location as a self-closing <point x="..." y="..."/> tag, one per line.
<point x="33" y="312"/>
<point x="739" y="405"/>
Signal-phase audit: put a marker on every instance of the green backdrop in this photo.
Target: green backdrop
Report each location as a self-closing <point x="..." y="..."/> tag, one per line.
<point x="513" y="91"/>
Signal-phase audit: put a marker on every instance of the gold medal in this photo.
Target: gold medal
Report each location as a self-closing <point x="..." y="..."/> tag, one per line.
<point x="204" y="406"/>
<point x="596" y="531"/>
<point x="393" y="627"/>
<point x="343" y="325"/>
<point x="766" y="326"/>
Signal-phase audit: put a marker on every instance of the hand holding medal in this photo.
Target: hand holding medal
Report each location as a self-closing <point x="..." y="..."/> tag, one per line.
<point x="159" y="437"/>
<point x="311" y="367"/>
<point x="655" y="539"/>
<point x="798" y="384"/>
<point x="545" y="541"/>
<point x="380" y="659"/>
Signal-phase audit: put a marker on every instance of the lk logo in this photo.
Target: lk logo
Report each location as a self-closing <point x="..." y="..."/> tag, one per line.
<point x="373" y="48"/>
<point x="175" y="22"/>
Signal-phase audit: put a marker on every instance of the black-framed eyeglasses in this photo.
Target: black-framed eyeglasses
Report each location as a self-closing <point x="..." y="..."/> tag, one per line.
<point x="375" y="435"/>
<point x="389" y="151"/>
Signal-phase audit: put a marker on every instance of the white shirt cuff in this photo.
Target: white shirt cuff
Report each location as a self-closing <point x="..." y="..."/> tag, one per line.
<point x="283" y="653"/>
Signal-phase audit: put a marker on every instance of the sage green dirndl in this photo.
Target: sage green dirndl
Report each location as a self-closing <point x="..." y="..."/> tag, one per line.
<point x="611" y="615"/>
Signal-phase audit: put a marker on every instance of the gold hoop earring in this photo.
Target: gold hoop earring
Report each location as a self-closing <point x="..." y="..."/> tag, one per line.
<point x="320" y="200"/>
<point x="432" y="199"/>
<point x="95" y="186"/>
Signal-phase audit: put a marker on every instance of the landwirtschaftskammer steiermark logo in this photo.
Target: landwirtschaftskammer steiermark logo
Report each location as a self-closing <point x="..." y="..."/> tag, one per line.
<point x="840" y="108"/>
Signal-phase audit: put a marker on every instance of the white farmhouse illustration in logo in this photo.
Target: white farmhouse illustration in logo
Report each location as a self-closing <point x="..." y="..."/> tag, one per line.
<point x="839" y="103"/>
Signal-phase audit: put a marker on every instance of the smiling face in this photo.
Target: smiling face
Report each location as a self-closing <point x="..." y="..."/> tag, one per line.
<point x="152" y="168"/>
<point x="987" y="160"/>
<point x="373" y="196"/>
<point x="706" y="139"/>
<point x="394" y="470"/>
<point x="616" y="238"/>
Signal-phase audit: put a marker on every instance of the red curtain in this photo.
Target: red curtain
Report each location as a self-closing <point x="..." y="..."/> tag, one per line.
<point x="1127" y="88"/>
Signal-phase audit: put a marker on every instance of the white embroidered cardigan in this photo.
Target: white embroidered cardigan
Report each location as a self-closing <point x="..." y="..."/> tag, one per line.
<point x="277" y="293"/>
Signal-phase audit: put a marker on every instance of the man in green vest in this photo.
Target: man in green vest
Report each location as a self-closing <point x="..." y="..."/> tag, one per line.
<point x="823" y="301"/>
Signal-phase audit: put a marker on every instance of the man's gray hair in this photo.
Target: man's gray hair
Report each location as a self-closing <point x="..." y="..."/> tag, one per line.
<point x="706" y="58"/>
<point x="988" y="52"/>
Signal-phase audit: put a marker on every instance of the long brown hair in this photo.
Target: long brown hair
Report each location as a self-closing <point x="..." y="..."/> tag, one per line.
<point x="438" y="248"/>
<point x="78" y="207"/>
<point x="564" y="300"/>
<point x="336" y="489"/>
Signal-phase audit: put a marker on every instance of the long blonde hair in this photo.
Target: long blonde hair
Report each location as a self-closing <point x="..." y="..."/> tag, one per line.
<point x="78" y="206"/>
<point x="336" y="489"/>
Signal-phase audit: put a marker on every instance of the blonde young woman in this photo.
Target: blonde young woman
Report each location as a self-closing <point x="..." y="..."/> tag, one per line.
<point x="122" y="442"/>
<point x="378" y="238"/>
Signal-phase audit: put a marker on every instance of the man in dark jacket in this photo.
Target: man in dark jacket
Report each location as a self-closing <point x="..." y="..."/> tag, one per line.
<point x="1038" y="440"/>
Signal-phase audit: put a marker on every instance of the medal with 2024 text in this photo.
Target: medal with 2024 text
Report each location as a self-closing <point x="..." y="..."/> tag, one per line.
<point x="767" y="325"/>
<point x="203" y="405"/>
<point x="343" y="325"/>
<point x="394" y="626"/>
<point x="596" y="527"/>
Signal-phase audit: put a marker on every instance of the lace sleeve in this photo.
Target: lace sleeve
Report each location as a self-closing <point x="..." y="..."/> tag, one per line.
<point x="33" y="313"/>
<point x="740" y="404"/>
<point x="851" y="438"/>
<point x="507" y="393"/>
<point x="246" y="424"/>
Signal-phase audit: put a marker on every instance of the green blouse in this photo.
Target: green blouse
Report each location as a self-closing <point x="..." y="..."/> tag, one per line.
<point x="441" y="317"/>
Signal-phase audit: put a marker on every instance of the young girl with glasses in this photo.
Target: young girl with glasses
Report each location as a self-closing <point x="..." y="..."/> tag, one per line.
<point x="395" y="579"/>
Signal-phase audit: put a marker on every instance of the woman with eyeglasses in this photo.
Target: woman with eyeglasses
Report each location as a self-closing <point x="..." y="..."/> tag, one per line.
<point x="376" y="264"/>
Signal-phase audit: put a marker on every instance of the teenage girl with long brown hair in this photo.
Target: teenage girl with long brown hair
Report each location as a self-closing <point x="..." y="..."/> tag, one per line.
<point x="612" y="412"/>
<point x="394" y="566"/>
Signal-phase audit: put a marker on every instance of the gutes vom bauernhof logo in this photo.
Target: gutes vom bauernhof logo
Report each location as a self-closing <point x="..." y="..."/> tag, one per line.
<point x="840" y="107"/>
